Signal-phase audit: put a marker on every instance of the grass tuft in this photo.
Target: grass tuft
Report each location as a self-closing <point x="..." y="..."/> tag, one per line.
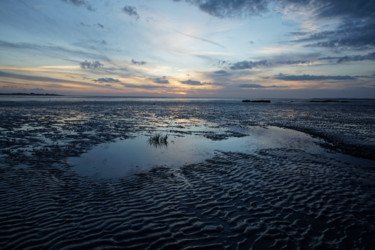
<point x="158" y="140"/>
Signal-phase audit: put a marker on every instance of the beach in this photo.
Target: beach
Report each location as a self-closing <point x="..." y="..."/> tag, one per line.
<point x="80" y="173"/>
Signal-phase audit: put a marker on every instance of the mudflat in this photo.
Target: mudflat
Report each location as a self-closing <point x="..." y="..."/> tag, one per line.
<point x="82" y="174"/>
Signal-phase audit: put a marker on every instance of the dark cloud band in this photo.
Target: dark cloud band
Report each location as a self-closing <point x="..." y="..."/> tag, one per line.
<point x="161" y="80"/>
<point x="248" y="64"/>
<point x="311" y="77"/>
<point x="192" y="82"/>
<point x="107" y="80"/>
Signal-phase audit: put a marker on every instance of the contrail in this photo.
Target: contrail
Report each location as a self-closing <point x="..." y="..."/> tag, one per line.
<point x="202" y="39"/>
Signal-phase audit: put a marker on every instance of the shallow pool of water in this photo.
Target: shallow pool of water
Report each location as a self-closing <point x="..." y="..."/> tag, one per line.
<point x="130" y="156"/>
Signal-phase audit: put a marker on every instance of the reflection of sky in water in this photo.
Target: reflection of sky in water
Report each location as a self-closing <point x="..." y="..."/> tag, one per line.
<point x="125" y="157"/>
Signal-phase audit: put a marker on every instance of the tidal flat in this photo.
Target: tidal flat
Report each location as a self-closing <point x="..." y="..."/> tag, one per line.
<point x="81" y="173"/>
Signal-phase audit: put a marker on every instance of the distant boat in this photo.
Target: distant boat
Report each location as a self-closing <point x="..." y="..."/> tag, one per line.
<point x="268" y="101"/>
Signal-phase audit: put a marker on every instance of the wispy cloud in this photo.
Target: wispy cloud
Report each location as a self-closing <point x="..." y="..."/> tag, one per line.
<point x="42" y="79"/>
<point x="200" y="39"/>
<point x="52" y="50"/>
<point x="107" y="81"/>
<point x="97" y="25"/>
<point x="142" y="86"/>
<point x="80" y="3"/>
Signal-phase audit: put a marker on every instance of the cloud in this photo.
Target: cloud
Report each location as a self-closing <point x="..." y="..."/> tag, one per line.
<point x="357" y="21"/>
<point x="292" y="59"/>
<point x="231" y="8"/>
<point x="343" y="8"/>
<point x="254" y="86"/>
<point x="248" y="64"/>
<point x="53" y="50"/>
<point x="94" y="45"/>
<point x="293" y="62"/>
<point x="238" y="70"/>
<point x="98" y="25"/>
<point x="191" y="82"/>
<point x="131" y="11"/>
<point x="349" y="35"/>
<point x="91" y="65"/>
<point x="352" y="58"/>
<point x="41" y="78"/>
<point x="370" y="57"/>
<point x="311" y="77"/>
<point x="222" y="63"/>
<point x="320" y="8"/>
<point x="84" y="24"/>
<point x="138" y="62"/>
<point x="137" y="86"/>
<point x="161" y="80"/>
<point x="221" y="72"/>
<point x="219" y="77"/>
<point x="107" y="80"/>
<point x="80" y="3"/>
<point x="356" y="29"/>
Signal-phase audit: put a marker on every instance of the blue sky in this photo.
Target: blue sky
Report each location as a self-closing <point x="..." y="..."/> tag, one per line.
<point x="200" y="48"/>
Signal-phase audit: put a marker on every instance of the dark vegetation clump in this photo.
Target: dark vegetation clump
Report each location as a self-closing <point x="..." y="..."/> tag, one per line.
<point x="158" y="140"/>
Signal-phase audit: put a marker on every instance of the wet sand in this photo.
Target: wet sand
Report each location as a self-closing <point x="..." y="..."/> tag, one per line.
<point x="278" y="197"/>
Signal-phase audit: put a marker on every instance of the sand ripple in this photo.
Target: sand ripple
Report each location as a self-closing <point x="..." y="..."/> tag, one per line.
<point x="275" y="199"/>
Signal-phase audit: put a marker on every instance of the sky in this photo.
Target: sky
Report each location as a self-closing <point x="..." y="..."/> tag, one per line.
<point x="189" y="48"/>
